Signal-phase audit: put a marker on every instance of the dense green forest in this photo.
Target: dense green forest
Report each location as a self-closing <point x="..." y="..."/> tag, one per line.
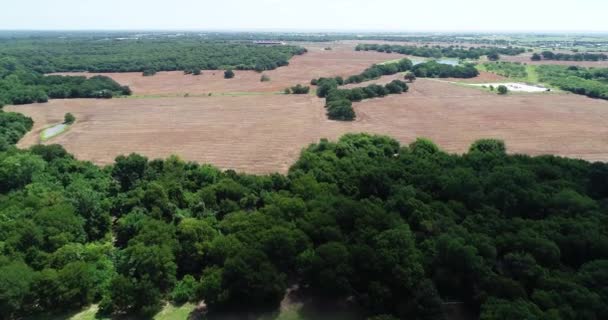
<point x="399" y="229"/>
<point x="21" y="85"/>
<point x="442" y="51"/>
<point x="47" y="55"/>
<point x="434" y="69"/>
<point x="586" y="56"/>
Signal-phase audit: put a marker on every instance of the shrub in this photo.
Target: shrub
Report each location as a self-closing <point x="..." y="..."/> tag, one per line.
<point x="488" y="146"/>
<point x="185" y="290"/>
<point x="69" y="118"/>
<point x="341" y="110"/>
<point x="149" y="72"/>
<point x="264" y="78"/>
<point x="300" y="89"/>
<point x="502" y="89"/>
<point x="228" y="74"/>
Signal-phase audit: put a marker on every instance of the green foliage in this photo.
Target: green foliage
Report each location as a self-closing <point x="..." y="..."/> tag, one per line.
<point x="507" y="69"/>
<point x="591" y="82"/>
<point x="396" y="229"/>
<point x="100" y="54"/>
<point x="69" y="118"/>
<point x="378" y="70"/>
<point x="434" y="69"/>
<point x="586" y="56"/>
<point x="185" y="290"/>
<point x="492" y="146"/>
<point x="502" y="89"/>
<point x="228" y="74"/>
<point x="13" y="126"/>
<point x="299" y="89"/>
<point x="443" y="51"/>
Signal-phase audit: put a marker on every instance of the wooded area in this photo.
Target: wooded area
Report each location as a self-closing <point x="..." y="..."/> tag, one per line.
<point x="399" y="228"/>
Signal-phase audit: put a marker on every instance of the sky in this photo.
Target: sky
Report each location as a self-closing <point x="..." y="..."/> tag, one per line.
<point x="307" y="15"/>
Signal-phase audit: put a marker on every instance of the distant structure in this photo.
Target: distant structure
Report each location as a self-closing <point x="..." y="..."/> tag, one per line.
<point x="269" y="43"/>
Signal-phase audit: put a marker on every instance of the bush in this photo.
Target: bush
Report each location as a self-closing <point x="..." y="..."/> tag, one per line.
<point x="300" y="89"/>
<point x="502" y="89"/>
<point x="149" y="72"/>
<point x="488" y="146"/>
<point x="69" y="118"/>
<point x="341" y="110"/>
<point x="264" y="78"/>
<point x="185" y="290"/>
<point x="228" y="74"/>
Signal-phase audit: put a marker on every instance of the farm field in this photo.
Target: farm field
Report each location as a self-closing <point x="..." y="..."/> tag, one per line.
<point x="342" y="60"/>
<point x="265" y="133"/>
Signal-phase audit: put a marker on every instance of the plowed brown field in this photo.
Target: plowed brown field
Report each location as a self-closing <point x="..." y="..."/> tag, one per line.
<point x="265" y="133"/>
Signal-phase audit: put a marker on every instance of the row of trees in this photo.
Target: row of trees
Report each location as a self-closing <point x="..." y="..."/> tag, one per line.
<point x="50" y="54"/>
<point x="443" y="51"/>
<point x="434" y="69"/>
<point x="339" y="101"/>
<point x="378" y="70"/>
<point x="21" y="85"/>
<point x="586" y="56"/>
<point x="396" y="229"/>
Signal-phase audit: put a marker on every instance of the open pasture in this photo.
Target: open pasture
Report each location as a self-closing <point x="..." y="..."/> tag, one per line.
<point x="342" y="60"/>
<point x="265" y="133"/>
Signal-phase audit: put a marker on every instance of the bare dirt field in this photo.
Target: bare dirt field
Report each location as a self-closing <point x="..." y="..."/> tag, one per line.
<point x="342" y="60"/>
<point x="262" y="134"/>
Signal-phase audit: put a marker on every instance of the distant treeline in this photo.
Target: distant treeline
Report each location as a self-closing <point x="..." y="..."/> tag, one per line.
<point x="439" y="51"/>
<point x="434" y="69"/>
<point x="586" y="56"/>
<point x="591" y="82"/>
<point x="21" y="85"/>
<point x="48" y="55"/>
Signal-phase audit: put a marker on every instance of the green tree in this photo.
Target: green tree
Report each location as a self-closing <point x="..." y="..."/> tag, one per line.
<point x="16" y="281"/>
<point x="502" y="89"/>
<point x="228" y="74"/>
<point x="69" y="118"/>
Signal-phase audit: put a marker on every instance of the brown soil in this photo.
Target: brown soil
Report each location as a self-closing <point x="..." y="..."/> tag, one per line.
<point x="265" y="133"/>
<point x="342" y="60"/>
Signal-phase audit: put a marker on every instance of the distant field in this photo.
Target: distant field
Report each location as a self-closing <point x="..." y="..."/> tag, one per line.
<point x="265" y="133"/>
<point x="341" y="60"/>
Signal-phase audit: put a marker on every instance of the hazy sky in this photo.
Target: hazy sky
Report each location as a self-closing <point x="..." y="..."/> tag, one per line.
<point x="373" y="15"/>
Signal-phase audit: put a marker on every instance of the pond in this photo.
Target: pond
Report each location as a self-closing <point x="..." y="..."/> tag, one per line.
<point x="53" y="131"/>
<point x="450" y="61"/>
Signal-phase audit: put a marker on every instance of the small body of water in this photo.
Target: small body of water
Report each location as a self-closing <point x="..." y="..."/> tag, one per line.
<point x="53" y="131"/>
<point x="515" y="87"/>
<point x="452" y="62"/>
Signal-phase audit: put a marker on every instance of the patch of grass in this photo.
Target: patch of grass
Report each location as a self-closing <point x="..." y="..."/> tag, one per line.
<point x="44" y="136"/>
<point x="171" y="312"/>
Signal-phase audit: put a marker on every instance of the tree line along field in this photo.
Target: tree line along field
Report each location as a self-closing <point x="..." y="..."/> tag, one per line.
<point x="394" y="226"/>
